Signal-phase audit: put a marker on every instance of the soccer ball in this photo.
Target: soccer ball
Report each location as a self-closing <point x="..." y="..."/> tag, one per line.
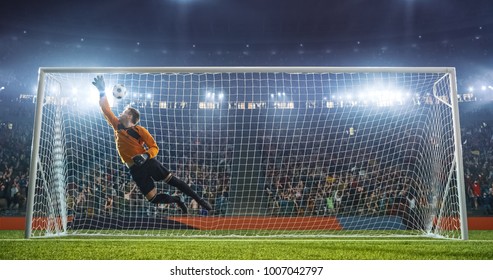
<point x="119" y="91"/>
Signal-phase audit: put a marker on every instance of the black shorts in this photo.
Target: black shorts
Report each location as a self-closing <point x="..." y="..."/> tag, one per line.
<point x="145" y="175"/>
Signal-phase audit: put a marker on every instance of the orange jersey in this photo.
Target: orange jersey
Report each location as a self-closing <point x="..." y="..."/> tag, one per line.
<point x="128" y="146"/>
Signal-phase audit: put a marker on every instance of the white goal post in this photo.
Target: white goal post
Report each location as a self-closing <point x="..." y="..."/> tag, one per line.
<point x="277" y="151"/>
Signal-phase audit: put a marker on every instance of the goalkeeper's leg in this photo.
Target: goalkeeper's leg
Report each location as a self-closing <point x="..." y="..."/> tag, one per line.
<point x="162" y="198"/>
<point x="147" y="187"/>
<point x="185" y="188"/>
<point x="159" y="172"/>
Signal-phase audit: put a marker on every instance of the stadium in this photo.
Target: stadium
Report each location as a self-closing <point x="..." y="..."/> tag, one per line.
<point x="309" y="162"/>
<point x="312" y="160"/>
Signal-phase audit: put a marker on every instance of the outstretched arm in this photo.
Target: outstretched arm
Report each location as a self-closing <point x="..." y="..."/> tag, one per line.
<point x="103" y="102"/>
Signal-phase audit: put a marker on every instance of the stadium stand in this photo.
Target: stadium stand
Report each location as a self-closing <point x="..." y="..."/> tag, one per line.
<point x="309" y="192"/>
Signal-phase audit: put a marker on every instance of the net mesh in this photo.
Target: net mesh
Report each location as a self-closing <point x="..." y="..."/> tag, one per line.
<point x="276" y="153"/>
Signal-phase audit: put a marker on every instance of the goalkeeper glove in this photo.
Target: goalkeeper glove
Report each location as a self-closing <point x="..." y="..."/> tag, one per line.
<point x="99" y="84"/>
<point x="140" y="159"/>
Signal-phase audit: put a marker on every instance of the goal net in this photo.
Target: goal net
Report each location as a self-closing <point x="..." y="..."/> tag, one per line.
<point x="300" y="151"/>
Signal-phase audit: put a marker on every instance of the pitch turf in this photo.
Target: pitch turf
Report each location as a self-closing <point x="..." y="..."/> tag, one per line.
<point x="15" y="247"/>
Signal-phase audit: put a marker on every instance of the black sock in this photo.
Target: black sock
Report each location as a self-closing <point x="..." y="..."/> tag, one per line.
<point x="183" y="187"/>
<point x="163" y="199"/>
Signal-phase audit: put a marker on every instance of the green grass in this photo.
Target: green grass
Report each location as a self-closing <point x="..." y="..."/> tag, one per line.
<point x="15" y="247"/>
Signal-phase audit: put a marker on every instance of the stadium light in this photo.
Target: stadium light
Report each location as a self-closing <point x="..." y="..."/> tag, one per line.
<point x="92" y="99"/>
<point x="384" y="96"/>
<point x="54" y="88"/>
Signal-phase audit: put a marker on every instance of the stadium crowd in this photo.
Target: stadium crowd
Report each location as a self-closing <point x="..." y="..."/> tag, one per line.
<point x="15" y="141"/>
<point x="104" y="187"/>
<point x="292" y="187"/>
<point x="351" y="177"/>
<point x="345" y="174"/>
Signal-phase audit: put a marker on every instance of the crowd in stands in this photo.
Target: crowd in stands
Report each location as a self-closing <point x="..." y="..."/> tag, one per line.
<point x="477" y="138"/>
<point x="342" y="171"/>
<point x="97" y="185"/>
<point x="15" y="142"/>
<point x="305" y="171"/>
<point x="354" y="177"/>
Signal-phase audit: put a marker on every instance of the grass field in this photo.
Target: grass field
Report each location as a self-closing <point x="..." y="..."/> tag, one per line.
<point x="15" y="247"/>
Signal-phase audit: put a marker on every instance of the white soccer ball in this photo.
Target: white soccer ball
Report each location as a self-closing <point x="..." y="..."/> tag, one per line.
<point x="119" y="91"/>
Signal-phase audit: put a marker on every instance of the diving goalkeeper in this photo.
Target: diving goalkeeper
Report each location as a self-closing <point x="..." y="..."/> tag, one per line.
<point x="138" y="150"/>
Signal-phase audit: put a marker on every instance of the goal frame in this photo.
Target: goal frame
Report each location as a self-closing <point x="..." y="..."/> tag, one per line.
<point x="43" y="71"/>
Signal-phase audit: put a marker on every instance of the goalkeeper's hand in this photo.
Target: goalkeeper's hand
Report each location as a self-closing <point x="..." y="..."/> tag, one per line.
<point x="140" y="159"/>
<point x="99" y="84"/>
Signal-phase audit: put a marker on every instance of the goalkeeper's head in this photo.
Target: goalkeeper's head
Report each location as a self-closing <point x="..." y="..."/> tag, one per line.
<point x="131" y="115"/>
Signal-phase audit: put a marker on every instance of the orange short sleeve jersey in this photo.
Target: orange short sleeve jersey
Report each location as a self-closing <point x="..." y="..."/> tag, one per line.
<point x="127" y="145"/>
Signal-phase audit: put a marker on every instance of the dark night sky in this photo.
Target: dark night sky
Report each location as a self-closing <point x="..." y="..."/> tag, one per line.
<point x="454" y="33"/>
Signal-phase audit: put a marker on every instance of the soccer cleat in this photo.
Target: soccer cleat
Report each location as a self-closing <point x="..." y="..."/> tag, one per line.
<point x="180" y="204"/>
<point x="205" y="204"/>
<point x="183" y="207"/>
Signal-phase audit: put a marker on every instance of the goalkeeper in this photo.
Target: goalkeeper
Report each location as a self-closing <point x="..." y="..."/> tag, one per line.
<point x="138" y="149"/>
